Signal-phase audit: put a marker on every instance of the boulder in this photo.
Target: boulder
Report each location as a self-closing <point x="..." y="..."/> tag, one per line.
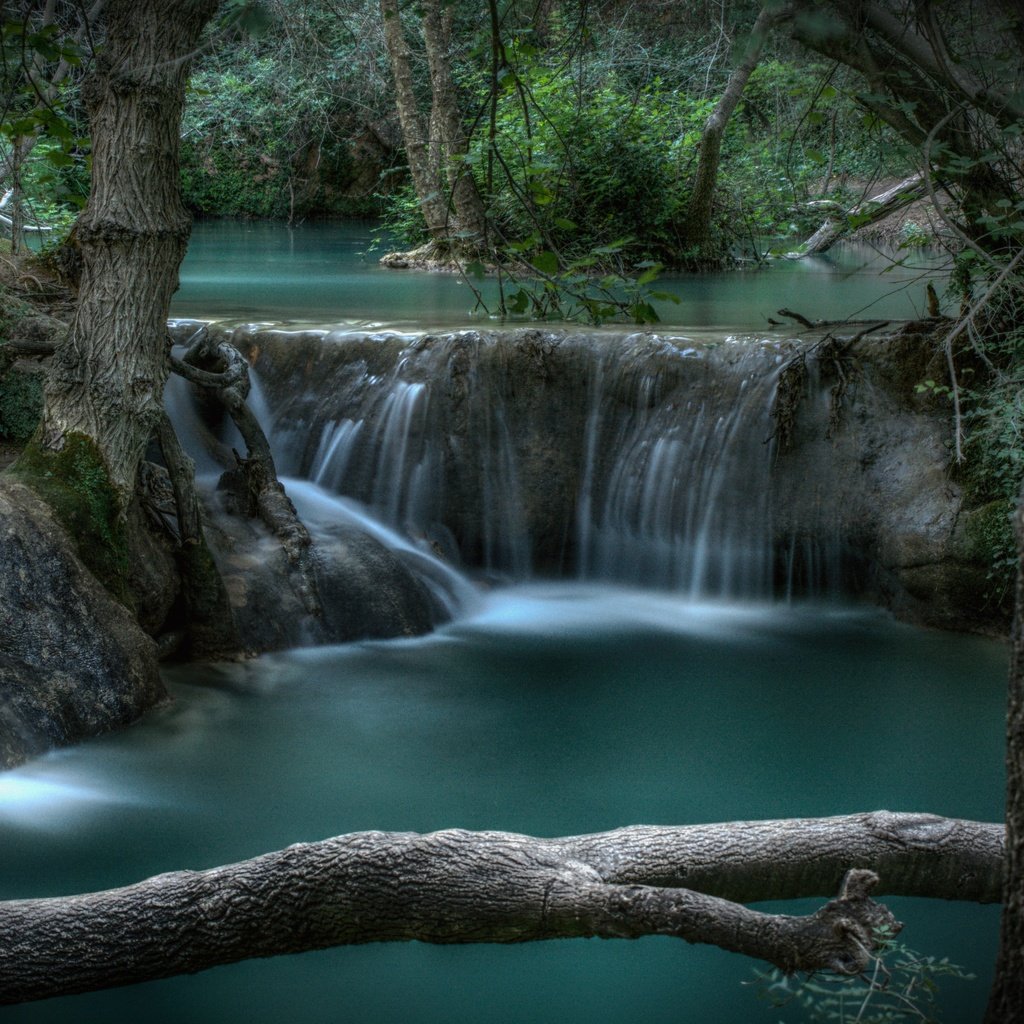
<point x="74" y="662"/>
<point x="365" y="590"/>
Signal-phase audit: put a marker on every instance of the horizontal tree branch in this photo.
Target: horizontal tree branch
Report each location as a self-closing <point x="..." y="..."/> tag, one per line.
<point x="457" y="886"/>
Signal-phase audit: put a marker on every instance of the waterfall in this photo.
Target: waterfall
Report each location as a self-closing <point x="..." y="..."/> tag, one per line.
<point x="385" y="439"/>
<point x="684" y="501"/>
<point x="637" y="459"/>
<point x="625" y="458"/>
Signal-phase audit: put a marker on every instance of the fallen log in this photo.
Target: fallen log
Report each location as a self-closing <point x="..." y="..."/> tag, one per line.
<point x="867" y="212"/>
<point x="457" y="886"/>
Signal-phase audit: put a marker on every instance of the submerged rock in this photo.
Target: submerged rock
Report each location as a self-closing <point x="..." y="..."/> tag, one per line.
<point x="365" y="591"/>
<point x="73" y="662"/>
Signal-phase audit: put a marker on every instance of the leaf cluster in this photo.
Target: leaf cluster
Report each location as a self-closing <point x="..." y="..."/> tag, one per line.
<point x="899" y="987"/>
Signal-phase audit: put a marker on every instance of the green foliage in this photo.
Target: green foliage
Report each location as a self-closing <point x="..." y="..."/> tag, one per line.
<point x="75" y="484"/>
<point x="571" y="292"/>
<point x="899" y="986"/>
<point x="401" y="216"/>
<point x="801" y="136"/>
<point x="995" y="467"/>
<point x="237" y="140"/>
<point x="41" y="126"/>
<point x="931" y="387"/>
<point x="990" y="538"/>
<point x="990" y="371"/>
<point x="913" y="236"/>
<point x="21" y="403"/>
<point x="270" y="114"/>
<point x="583" y="154"/>
<point x="592" y="166"/>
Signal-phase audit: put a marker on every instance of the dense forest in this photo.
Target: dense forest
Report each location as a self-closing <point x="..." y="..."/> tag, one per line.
<point x="575" y="152"/>
<point x="596" y="121"/>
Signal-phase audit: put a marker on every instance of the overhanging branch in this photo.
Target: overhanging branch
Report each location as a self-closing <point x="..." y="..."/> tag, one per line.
<point x="457" y="887"/>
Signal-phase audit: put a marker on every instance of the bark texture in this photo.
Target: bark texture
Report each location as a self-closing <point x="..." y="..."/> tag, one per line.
<point x="108" y="375"/>
<point x="222" y="369"/>
<point x="1006" y="1002"/>
<point x="211" y="628"/>
<point x="424" y="165"/>
<point x="446" y="124"/>
<point x="698" y="214"/>
<point x="449" y="199"/>
<point x="457" y="886"/>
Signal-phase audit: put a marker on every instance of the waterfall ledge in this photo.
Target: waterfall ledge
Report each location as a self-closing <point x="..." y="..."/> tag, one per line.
<point x="735" y="467"/>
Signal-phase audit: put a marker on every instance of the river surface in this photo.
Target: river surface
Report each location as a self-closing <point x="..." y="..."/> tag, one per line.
<point x="549" y="709"/>
<point x="259" y="270"/>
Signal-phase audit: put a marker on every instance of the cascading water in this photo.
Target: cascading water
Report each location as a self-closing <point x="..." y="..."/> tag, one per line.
<point x="388" y="442"/>
<point x="633" y="459"/>
<point x="685" y="501"/>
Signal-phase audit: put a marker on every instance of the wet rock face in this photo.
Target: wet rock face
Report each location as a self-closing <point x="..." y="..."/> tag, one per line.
<point x="869" y="473"/>
<point x="645" y="459"/>
<point x="153" y="574"/>
<point x="73" y="662"/>
<point x="365" y="591"/>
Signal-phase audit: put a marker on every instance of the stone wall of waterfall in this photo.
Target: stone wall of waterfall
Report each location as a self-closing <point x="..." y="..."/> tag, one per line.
<point x="637" y="458"/>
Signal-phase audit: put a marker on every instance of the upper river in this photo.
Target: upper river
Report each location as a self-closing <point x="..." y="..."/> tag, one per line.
<point x="260" y="270"/>
<point x="546" y="707"/>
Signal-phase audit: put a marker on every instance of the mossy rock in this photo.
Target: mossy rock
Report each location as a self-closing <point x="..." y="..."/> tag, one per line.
<point x="989" y="541"/>
<point x="75" y="484"/>
<point x="73" y="661"/>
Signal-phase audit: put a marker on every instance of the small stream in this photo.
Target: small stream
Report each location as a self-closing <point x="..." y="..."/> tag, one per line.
<point x="547" y="707"/>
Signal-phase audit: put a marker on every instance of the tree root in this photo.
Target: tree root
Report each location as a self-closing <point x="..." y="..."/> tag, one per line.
<point x="211" y="624"/>
<point x="222" y="369"/>
<point x="792" y="380"/>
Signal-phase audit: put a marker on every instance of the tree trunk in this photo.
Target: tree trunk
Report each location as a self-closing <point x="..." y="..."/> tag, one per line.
<point x="867" y="212"/>
<point x="1006" y="1002"/>
<point x="699" y="211"/>
<point x="457" y="887"/>
<point x="106" y="385"/>
<point x="468" y="229"/>
<point x="424" y="168"/>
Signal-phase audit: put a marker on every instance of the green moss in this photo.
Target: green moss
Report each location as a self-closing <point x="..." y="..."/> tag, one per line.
<point x="13" y="309"/>
<point x="75" y="484"/>
<point x="21" y="403"/>
<point x="211" y="625"/>
<point x="990" y="540"/>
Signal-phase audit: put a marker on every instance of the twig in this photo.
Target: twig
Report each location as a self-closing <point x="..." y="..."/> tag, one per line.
<point x="798" y="317"/>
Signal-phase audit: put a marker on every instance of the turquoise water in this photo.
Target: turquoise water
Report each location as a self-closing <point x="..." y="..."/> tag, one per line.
<point x="257" y="270"/>
<point x="549" y="710"/>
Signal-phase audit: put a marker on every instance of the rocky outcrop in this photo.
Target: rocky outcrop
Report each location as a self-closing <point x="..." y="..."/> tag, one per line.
<point x="870" y="466"/>
<point x="73" y="662"/>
